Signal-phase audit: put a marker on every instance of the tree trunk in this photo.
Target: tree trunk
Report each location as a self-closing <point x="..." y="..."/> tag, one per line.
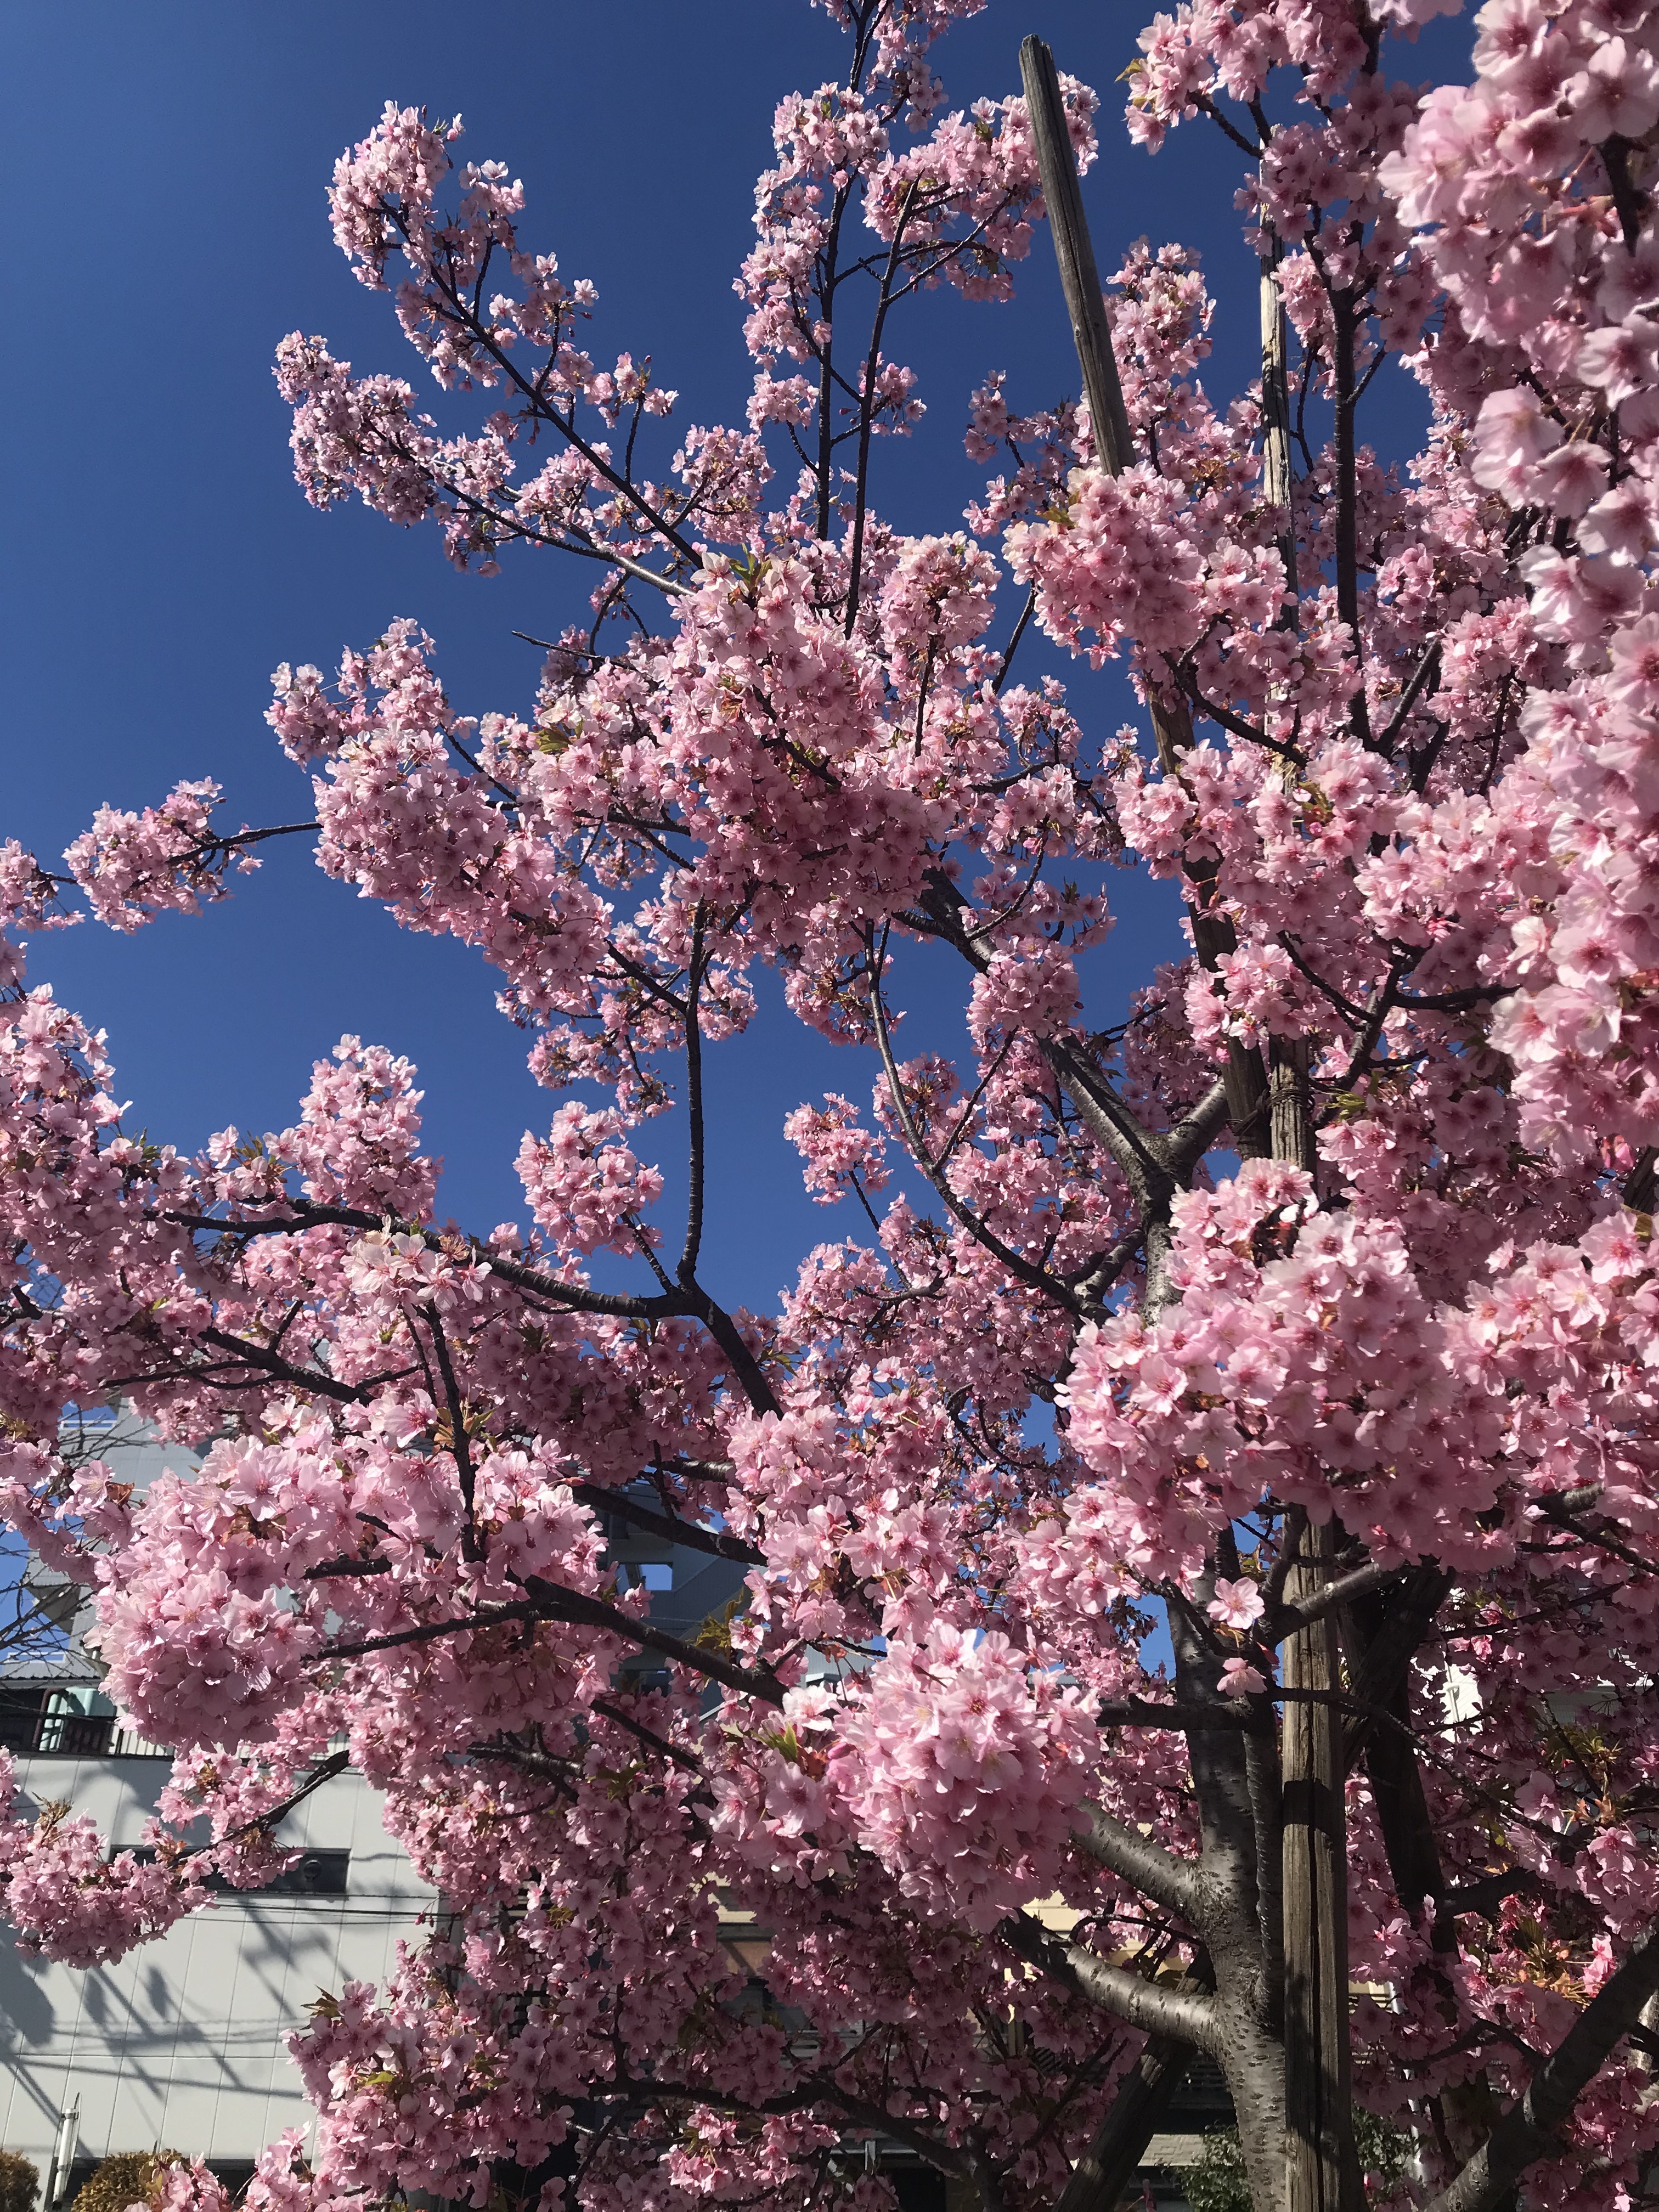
<point x="1387" y="1638"/>
<point x="1253" y="2066"/>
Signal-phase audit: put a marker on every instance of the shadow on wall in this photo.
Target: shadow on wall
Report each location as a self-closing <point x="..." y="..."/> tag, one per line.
<point x="26" y="2012"/>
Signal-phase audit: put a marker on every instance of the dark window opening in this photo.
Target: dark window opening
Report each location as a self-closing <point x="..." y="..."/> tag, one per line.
<point x="313" y="1873"/>
<point x="918" y="2188"/>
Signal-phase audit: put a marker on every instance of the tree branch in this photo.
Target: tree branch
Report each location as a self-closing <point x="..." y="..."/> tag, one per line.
<point x="1287" y="1617"/>
<point x="674" y="1531"/>
<point x="1140" y="2104"/>
<point x="867" y="408"/>
<point x="270" y="1363"/>
<point x="1528" y="2130"/>
<point x="1382" y="1669"/>
<point x="694" y="1204"/>
<point x="1144" y="2004"/>
<point x="1007" y="660"/>
<point x="1171" y="1882"/>
<point x="1026" y="1271"/>
<point x="303" y="1215"/>
<point x="460" y="1443"/>
<point x="572" y="1609"/>
<point x="1138" y="2107"/>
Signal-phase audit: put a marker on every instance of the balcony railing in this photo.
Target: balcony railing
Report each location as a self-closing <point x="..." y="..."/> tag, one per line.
<point x="64" y="1732"/>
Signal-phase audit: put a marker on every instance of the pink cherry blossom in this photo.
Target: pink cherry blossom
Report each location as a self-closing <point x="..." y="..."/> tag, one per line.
<point x="1183" y="1278"/>
<point x="1237" y="1604"/>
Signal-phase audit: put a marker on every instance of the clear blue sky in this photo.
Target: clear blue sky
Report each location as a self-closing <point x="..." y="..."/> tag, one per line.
<point x="169" y="227"/>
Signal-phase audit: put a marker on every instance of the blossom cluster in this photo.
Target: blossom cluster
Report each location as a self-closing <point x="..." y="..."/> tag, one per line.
<point x="1335" y="1216"/>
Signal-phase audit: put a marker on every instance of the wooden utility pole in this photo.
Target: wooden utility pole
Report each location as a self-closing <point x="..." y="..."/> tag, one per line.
<point x="1270" y="1112"/>
<point x="1291" y="1115"/>
<point x="1085" y="301"/>
<point x="1246" y="1077"/>
<point x="1321" y="2173"/>
<point x="1321" y="2168"/>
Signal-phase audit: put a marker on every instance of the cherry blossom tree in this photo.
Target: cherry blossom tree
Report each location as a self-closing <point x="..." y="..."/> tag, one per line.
<point x="1310" y="1312"/>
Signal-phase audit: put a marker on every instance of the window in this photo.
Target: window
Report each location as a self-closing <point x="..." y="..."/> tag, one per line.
<point x="313" y="1873"/>
<point x="35" y="1718"/>
<point x="316" y="1874"/>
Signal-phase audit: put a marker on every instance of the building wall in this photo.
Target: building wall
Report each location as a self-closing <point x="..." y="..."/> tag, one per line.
<point x="180" y="2044"/>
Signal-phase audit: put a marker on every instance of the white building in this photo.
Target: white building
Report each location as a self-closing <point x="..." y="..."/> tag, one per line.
<point x="179" y="2045"/>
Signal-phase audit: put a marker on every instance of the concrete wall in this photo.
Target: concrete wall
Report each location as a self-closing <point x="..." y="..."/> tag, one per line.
<point x="180" y="2044"/>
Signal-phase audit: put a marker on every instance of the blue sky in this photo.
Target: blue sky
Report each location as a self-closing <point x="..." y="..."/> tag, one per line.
<point x="161" y="560"/>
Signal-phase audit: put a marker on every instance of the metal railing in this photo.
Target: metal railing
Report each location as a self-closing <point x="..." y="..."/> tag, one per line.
<point x="65" y="1732"/>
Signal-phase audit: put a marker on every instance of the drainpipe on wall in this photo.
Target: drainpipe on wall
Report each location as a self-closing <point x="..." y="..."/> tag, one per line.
<point x="63" y="2156"/>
